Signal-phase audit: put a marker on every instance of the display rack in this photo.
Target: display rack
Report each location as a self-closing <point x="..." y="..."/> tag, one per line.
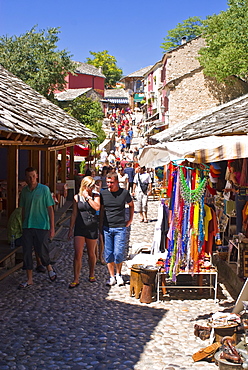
<point x="210" y="286"/>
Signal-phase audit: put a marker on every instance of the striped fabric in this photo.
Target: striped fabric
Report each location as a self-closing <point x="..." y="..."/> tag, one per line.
<point x="223" y="148"/>
<point x="204" y="150"/>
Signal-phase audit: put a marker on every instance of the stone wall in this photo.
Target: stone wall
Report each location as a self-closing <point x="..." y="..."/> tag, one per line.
<point x="182" y="60"/>
<point x="190" y="92"/>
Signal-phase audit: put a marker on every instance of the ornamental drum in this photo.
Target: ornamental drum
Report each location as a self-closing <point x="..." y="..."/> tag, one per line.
<point x="148" y="277"/>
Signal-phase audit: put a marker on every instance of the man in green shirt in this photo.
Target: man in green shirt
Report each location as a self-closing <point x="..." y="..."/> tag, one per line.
<point x="38" y="224"/>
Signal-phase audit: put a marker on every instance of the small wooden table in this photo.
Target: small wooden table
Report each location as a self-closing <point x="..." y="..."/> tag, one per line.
<point x="162" y="276"/>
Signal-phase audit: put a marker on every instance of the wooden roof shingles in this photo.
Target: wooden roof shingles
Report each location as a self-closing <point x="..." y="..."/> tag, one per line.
<point x="71" y="94"/>
<point x="115" y="93"/>
<point x="25" y="111"/>
<point x="226" y="119"/>
<point x="88" y="69"/>
<point x="138" y="74"/>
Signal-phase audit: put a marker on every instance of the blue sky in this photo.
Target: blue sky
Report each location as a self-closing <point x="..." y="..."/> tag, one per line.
<point x="130" y="30"/>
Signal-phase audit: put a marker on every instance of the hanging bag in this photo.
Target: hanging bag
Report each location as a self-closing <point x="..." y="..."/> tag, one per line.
<point x="89" y="218"/>
<point x="143" y="186"/>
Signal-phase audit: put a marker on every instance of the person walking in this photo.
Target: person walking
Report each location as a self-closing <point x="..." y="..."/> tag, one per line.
<point x="112" y="217"/>
<point x="143" y="185"/>
<point x="122" y="178"/>
<point x="128" y="142"/>
<point x="85" y="225"/>
<point x="38" y="224"/>
<point x="129" y="170"/>
<point x="103" y="155"/>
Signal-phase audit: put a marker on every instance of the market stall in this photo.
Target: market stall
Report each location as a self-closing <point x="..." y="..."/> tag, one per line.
<point x="200" y="197"/>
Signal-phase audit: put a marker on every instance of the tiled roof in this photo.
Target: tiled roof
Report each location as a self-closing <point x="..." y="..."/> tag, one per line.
<point x="116" y="93"/>
<point x="227" y="119"/>
<point x="88" y="69"/>
<point x="71" y="94"/>
<point x="25" y="111"/>
<point x="139" y="73"/>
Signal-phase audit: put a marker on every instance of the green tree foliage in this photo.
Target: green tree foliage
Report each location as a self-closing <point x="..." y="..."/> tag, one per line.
<point x="190" y="28"/>
<point x="89" y="112"/>
<point x="226" y="35"/>
<point x="109" y="68"/>
<point x="33" y="58"/>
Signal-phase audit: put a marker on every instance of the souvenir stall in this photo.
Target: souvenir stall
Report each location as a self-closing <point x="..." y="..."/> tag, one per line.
<point x="220" y="152"/>
<point x="200" y="216"/>
<point x="193" y="224"/>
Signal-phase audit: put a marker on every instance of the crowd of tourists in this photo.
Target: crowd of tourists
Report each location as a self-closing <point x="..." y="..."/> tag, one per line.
<point x="121" y="122"/>
<point x="99" y="218"/>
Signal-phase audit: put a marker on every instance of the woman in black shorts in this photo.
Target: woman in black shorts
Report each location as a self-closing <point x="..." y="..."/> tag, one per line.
<point x="84" y="222"/>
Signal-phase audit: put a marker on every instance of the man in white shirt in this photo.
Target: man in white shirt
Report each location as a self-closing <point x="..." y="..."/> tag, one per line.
<point x="111" y="158"/>
<point x="143" y="185"/>
<point x="103" y="155"/>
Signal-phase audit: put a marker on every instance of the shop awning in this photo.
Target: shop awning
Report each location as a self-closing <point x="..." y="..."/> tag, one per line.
<point x="118" y="100"/>
<point x="138" y="97"/>
<point x="222" y="148"/>
<point x="79" y="151"/>
<point x="204" y="150"/>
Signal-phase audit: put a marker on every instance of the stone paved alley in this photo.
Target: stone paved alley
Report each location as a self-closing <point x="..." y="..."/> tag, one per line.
<point x="48" y="326"/>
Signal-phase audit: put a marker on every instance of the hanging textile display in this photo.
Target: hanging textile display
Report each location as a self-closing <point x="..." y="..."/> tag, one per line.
<point x="186" y="236"/>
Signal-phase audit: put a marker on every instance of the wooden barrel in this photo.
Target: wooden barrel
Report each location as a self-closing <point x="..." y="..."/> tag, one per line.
<point x="148" y="277"/>
<point x="135" y="281"/>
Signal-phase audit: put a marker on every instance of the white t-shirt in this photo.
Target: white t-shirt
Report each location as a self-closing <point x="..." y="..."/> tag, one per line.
<point x="111" y="158"/>
<point x="144" y="178"/>
<point x="123" y="180"/>
<point x="103" y="156"/>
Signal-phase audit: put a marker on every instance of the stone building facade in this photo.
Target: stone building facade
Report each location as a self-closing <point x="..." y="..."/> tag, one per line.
<point x="186" y="90"/>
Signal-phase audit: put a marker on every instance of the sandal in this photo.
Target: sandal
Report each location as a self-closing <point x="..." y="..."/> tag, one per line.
<point x="73" y="285"/>
<point x="52" y="275"/>
<point x="24" y="285"/>
<point x="92" y="279"/>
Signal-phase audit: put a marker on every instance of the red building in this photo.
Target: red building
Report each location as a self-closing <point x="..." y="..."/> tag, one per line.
<point x="86" y="75"/>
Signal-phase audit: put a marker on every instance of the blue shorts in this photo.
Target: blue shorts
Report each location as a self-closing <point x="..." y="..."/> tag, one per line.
<point x="114" y="243"/>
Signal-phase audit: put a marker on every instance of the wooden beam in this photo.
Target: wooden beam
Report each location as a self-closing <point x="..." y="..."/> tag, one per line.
<point x="35" y="158"/>
<point x="12" y="179"/>
<point x="48" y="147"/>
<point x="71" y="174"/>
<point x="13" y="142"/>
<point x="46" y="167"/>
<point x="53" y="174"/>
<point x="63" y="166"/>
<point x="17" y="136"/>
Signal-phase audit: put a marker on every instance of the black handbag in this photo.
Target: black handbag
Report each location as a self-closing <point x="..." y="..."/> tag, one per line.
<point x="89" y="218"/>
<point x="143" y="186"/>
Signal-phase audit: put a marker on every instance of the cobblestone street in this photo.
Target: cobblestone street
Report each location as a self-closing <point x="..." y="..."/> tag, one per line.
<point x="48" y="326"/>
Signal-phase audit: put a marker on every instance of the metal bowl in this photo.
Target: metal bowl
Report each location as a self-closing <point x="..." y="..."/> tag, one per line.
<point x="226" y="365"/>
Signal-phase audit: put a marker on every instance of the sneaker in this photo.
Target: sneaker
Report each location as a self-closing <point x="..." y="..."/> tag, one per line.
<point x="119" y="280"/>
<point x="111" y="281"/>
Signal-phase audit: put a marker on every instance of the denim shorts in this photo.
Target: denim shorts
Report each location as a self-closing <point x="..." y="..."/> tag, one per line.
<point x="114" y="244"/>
